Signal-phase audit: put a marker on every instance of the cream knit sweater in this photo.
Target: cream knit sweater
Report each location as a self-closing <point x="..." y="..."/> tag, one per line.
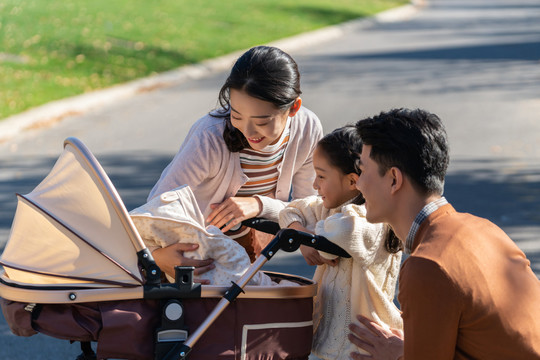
<point x="364" y="284"/>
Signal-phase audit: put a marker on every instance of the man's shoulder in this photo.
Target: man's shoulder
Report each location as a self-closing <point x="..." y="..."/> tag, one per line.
<point x="424" y="274"/>
<point x="446" y="230"/>
<point x="419" y="265"/>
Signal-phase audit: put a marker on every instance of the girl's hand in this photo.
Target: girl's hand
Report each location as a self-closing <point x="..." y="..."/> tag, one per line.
<point x="173" y="255"/>
<point x="313" y="257"/>
<point x="233" y="211"/>
<point x="379" y="342"/>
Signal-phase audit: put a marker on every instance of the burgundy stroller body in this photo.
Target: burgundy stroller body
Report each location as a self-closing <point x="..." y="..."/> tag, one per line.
<point x="76" y="268"/>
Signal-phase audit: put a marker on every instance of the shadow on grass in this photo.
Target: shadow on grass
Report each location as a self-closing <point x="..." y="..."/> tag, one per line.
<point x="322" y="15"/>
<point x="123" y="54"/>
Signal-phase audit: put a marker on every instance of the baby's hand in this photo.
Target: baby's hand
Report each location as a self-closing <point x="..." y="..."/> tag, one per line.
<point x="313" y="257"/>
<point x="169" y="257"/>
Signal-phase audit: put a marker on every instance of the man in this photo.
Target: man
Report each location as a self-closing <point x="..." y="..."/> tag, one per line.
<point x="466" y="290"/>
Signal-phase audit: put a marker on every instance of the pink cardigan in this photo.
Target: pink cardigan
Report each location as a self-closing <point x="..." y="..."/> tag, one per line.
<point x="214" y="173"/>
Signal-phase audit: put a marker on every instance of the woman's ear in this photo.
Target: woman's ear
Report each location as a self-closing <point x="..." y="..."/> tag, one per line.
<point x="295" y="107"/>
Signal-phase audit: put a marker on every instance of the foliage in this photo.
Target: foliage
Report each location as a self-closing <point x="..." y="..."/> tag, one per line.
<point x="54" y="49"/>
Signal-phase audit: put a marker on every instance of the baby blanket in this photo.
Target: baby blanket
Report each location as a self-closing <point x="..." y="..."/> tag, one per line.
<point x="174" y="217"/>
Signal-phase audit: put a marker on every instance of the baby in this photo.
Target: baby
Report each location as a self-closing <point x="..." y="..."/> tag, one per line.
<point x="173" y="217"/>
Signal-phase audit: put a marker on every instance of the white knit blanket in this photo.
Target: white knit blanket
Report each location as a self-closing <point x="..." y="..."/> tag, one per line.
<point x="174" y="217"/>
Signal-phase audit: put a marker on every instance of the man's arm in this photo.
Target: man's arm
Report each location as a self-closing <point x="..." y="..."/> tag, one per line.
<point x="432" y="306"/>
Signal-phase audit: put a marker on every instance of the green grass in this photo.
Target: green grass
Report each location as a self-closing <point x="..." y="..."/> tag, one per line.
<point x="51" y="49"/>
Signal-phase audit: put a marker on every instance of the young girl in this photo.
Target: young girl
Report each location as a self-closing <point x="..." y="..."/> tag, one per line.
<point x="363" y="284"/>
<point x="245" y="159"/>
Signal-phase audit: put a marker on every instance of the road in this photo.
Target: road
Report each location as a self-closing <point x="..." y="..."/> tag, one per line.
<point x="475" y="63"/>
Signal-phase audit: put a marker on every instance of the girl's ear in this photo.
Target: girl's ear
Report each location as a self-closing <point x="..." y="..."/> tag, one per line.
<point x="295" y="107"/>
<point x="352" y="178"/>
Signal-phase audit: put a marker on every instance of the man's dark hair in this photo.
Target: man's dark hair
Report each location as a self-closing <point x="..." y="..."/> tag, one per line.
<point x="414" y="141"/>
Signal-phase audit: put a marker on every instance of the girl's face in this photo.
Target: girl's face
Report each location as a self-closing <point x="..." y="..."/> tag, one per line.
<point x="259" y="121"/>
<point x="331" y="183"/>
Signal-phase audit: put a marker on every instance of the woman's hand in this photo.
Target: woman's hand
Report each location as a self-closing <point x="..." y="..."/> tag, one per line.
<point x="233" y="211"/>
<point x="379" y="342"/>
<point x="173" y="255"/>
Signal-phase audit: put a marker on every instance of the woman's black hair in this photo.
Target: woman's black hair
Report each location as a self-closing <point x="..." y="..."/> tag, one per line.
<point x="342" y="148"/>
<point x="263" y="72"/>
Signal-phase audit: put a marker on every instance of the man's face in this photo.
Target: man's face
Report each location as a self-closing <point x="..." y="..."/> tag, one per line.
<point x="374" y="187"/>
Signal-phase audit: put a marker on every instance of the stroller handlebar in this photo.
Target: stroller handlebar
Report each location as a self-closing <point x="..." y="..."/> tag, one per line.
<point x="261" y="224"/>
<point x="290" y="240"/>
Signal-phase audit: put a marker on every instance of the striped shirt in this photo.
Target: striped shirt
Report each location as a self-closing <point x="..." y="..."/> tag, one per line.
<point x="261" y="166"/>
<point x="422" y="215"/>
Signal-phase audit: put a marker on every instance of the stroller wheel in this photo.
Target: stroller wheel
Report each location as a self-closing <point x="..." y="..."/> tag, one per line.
<point x="87" y="352"/>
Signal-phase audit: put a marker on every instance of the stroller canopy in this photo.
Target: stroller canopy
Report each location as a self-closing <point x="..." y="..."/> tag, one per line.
<point x="73" y="230"/>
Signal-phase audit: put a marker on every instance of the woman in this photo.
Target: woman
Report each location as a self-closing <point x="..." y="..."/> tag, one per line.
<point x="251" y="156"/>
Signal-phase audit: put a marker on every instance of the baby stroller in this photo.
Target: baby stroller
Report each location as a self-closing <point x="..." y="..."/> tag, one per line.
<point x="75" y="268"/>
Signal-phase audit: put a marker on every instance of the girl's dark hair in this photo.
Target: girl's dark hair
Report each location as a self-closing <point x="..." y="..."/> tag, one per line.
<point x="342" y="148"/>
<point x="263" y="72"/>
<point x="392" y="244"/>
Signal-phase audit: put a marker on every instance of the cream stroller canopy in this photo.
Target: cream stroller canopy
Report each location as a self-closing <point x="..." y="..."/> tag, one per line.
<point x="73" y="230"/>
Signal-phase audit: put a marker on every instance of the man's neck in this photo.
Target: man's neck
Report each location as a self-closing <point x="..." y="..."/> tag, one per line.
<point x="409" y="208"/>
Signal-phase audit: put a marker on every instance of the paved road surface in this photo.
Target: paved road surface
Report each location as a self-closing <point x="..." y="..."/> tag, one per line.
<point x="476" y="63"/>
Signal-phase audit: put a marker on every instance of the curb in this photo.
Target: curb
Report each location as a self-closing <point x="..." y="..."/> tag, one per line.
<point x="51" y="113"/>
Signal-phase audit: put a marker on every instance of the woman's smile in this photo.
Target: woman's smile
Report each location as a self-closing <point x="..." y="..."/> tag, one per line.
<point x="256" y="140"/>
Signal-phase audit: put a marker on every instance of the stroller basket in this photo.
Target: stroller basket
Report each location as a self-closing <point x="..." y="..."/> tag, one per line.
<point x="76" y="268"/>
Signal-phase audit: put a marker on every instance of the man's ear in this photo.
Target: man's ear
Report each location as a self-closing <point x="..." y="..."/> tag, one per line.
<point x="295" y="107"/>
<point x="397" y="178"/>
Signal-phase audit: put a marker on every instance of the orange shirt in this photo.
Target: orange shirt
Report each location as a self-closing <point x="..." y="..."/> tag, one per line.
<point x="468" y="292"/>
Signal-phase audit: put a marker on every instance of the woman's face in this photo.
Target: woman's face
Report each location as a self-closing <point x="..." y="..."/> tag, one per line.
<point x="259" y="121"/>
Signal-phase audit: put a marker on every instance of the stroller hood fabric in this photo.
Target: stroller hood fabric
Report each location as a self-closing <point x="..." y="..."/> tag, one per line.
<point x="174" y="217"/>
<point x="73" y="229"/>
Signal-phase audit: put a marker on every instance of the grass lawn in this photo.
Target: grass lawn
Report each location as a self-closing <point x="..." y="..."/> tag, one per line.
<point x="51" y="49"/>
